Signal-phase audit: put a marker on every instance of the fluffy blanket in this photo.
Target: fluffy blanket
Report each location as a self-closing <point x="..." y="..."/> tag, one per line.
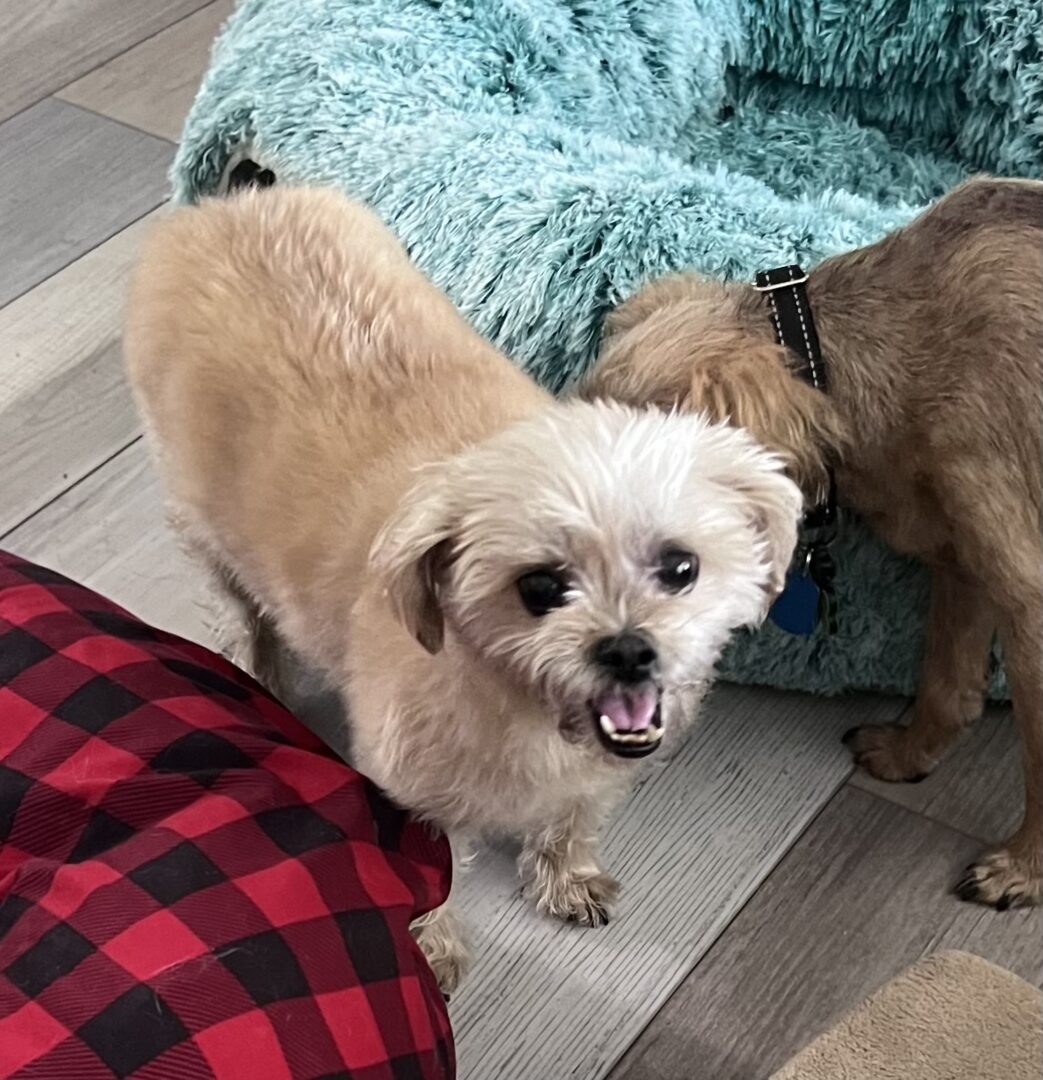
<point x="542" y="158"/>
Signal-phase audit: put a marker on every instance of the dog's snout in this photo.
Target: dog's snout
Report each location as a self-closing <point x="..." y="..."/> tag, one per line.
<point x="627" y="657"/>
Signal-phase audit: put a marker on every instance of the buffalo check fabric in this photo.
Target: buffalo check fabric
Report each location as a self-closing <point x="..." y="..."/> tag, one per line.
<point x="191" y="884"/>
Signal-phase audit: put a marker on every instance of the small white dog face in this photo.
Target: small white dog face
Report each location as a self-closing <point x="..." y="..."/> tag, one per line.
<point x="598" y="556"/>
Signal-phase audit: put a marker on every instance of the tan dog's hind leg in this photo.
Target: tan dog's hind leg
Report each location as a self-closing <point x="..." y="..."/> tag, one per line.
<point x="563" y="874"/>
<point x="1009" y="876"/>
<point x="951" y="691"/>
<point x="441" y="939"/>
<point x="244" y="633"/>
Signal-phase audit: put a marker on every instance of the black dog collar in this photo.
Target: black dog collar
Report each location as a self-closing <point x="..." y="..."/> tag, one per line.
<point x="791" y="316"/>
<point x="808" y="597"/>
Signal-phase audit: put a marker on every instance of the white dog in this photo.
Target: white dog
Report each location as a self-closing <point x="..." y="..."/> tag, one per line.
<point x="513" y="594"/>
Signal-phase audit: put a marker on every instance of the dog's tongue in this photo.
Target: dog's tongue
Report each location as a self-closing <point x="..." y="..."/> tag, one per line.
<point x="629" y="712"/>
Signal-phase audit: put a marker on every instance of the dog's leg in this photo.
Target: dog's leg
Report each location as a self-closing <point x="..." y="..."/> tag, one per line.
<point x="1009" y="876"/>
<point x="440" y="933"/>
<point x="244" y="633"/>
<point x="562" y="871"/>
<point x="952" y="684"/>
<point x="441" y="939"/>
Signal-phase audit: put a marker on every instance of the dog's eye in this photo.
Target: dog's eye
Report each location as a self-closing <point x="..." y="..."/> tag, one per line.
<point x="677" y="569"/>
<point x="542" y="591"/>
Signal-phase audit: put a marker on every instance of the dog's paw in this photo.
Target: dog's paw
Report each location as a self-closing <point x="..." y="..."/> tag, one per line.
<point x="889" y="753"/>
<point x="1002" y="879"/>
<point x="587" y="901"/>
<point x="441" y="941"/>
<point x="449" y="970"/>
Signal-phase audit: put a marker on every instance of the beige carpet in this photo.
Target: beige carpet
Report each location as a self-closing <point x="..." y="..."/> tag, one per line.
<point x="952" y="1016"/>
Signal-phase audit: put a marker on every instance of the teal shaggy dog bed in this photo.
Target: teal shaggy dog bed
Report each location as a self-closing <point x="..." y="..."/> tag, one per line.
<point x="542" y="158"/>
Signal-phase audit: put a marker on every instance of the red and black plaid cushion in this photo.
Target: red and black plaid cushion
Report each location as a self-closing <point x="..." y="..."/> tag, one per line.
<point x="191" y="884"/>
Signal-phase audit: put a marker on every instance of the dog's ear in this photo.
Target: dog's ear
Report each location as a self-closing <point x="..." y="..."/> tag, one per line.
<point x="775" y="505"/>
<point x="749" y="383"/>
<point x="410" y="555"/>
<point x="754" y="482"/>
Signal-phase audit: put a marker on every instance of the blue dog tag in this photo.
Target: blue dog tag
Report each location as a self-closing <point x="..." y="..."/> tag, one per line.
<point x="796" y="609"/>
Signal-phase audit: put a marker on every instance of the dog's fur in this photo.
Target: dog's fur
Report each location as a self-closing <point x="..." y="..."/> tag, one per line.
<point x="933" y="340"/>
<point x="368" y="477"/>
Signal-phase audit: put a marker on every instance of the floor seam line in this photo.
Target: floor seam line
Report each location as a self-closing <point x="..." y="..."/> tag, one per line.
<point x="71" y="487"/>
<point x="97" y="67"/>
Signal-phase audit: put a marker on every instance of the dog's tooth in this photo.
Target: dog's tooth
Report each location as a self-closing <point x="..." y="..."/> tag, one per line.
<point x="648" y="735"/>
<point x="630" y="738"/>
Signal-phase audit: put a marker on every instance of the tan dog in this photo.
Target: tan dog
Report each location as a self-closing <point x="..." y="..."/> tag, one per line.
<point x="516" y="597"/>
<point x="933" y="340"/>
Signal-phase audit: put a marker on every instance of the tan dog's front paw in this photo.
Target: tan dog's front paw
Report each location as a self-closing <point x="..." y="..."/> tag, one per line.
<point x="889" y="753"/>
<point x="1002" y="879"/>
<point x="584" y="900"/>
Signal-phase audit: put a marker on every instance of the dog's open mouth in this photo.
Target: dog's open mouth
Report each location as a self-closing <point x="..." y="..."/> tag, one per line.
<point x="628" y="722"/>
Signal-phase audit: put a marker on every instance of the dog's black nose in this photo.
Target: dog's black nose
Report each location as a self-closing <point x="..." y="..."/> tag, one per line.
<point x="627" y="657"/>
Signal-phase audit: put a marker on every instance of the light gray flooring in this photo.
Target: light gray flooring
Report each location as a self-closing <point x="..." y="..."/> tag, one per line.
<point x="45" y="46"/>
<point x="766" y="889"/>
<point x="80" y="160"/>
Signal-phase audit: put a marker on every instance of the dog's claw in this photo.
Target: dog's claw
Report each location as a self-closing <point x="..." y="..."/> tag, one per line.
<point x="967" y="887"/>
<point x="583" y="901"/>
<point x="590" y="912"/>
<point x="594" y="917"/>
<point x="849" y="735"/>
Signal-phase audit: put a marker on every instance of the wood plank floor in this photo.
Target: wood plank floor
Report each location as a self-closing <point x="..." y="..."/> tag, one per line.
<point x="68" y="180"/>
<point x="151" y="87"/>
<point x="45" y="46"/>
<point x="64" y="404"/>
<point x="766" y="890"/>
